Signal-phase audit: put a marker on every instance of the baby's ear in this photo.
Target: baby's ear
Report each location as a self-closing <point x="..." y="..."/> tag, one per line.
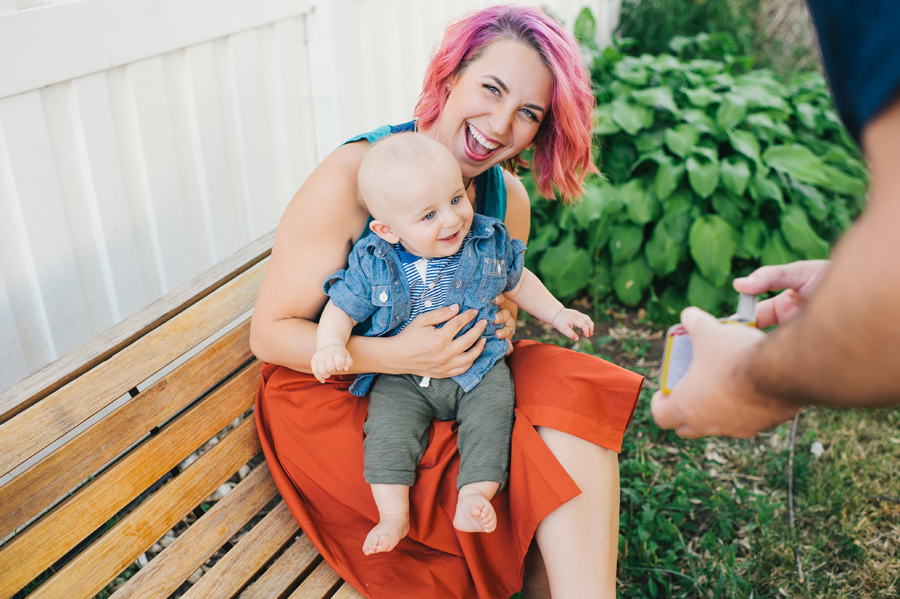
<point x="384" y="231"/>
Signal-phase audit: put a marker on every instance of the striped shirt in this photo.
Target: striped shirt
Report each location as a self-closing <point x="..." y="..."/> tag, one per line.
<point x="429" y="279"/>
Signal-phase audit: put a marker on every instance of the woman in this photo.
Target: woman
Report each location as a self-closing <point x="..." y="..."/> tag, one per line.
<point x="504" y="79"/>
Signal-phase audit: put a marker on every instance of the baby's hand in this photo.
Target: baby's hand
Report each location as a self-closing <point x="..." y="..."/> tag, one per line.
<point x="568" y="320"/>
<point x="329" y="360"/>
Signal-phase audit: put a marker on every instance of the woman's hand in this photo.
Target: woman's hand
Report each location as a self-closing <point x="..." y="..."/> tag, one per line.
<point x="424" y="349"/>
<point x="507" y="322"/>
<point x="798" y="279"/>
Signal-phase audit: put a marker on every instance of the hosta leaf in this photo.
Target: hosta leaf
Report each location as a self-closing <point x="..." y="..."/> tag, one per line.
<point x="763" y="188"/>
<point x="585" y="26"/>
<point x="800" y="235"/>
<point x="701" y="97"/>
<point x="754" y="236"/>
<point x="806" y="114"/>
<point x="656" y="97"/>
<point x="731" y="111"/>
<point x="841" y="182"/>
<point x="682" y="139"/>
<point x="668" y="176"/>
<point x="735" y="174"/>
<point x="699" y="119"/>
<point x="631" y="73"/>
<point x="625" y="242"/>
<point x="631" y="117"/>
<point x="776" y="251"/>
<point x="712" y="243"/>
<point x="703" y="175"/>
<point x="745" y="142"/>
<point x="604" y="123"/>
<point x="641" y="205"/>
<point x="663" y="251"/>
<point x="702" y="293"/>
<point x="680" y="202"/>
<point x="565" y="269"/>
<point x="814" y="201"/>
<point x="631" y="279"/>
<point x="798" y="162"/>
<point x="727" y="207"/>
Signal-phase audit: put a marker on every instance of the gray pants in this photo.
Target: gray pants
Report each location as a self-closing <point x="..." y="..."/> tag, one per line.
<point x="400" y="412"/>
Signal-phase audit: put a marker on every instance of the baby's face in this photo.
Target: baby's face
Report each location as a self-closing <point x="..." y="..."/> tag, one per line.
<point x="431" y="214"/>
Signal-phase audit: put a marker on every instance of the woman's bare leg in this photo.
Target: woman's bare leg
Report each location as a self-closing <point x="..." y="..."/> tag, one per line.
<point x="579" y="541"/>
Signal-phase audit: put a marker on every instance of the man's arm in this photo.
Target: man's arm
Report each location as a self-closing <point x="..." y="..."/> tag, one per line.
<point x="840" y="350"/>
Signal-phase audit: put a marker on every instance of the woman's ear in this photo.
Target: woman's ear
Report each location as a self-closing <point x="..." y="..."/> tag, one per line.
<point x="383" y="231"/>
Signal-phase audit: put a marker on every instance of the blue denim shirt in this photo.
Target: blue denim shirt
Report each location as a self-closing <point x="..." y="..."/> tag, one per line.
<point x="373" y="284"/>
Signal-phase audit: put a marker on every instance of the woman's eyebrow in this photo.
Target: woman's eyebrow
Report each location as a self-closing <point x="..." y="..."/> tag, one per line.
<point x="505" y="89"/>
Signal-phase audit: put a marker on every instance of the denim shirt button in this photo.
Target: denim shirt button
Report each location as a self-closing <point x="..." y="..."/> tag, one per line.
<point x="383" y="297"/>
<point x="458" y="283"/>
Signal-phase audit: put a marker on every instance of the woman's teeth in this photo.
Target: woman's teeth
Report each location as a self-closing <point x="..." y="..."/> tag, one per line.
<point x="480" y="139"/>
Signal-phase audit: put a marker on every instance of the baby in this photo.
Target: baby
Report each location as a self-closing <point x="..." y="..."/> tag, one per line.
<point x="429" y="250"/>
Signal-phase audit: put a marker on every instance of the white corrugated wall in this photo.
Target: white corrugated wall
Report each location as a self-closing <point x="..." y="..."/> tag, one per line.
<point x="141" y="141"/>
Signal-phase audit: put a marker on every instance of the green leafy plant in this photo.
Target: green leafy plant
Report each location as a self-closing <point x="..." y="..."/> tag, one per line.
<point x="711" y="169"/>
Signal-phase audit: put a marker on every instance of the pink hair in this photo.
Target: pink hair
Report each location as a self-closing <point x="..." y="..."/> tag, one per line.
<point x="562" y="145"/>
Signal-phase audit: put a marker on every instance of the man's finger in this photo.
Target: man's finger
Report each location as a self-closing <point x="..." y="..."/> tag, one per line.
<point x="665" y="412"/>
<point x="696" y="321"/>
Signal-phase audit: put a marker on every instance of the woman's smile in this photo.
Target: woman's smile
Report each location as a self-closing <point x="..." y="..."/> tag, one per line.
<point x="478" y="147"/>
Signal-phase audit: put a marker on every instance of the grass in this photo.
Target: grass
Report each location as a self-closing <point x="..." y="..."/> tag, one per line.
<point x="709" y="517"/>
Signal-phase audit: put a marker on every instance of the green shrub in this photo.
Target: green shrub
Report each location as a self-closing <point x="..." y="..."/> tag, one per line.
<point x="652" y="23"/>
<point x="710" y="170"/>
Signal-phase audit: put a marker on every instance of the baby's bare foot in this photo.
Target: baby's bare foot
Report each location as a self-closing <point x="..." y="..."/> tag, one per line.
<point x="386" y="534"/>
<point x="474" y="513"/>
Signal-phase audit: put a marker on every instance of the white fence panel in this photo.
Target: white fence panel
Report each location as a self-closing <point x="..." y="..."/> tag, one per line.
<point x="142" y="141"/>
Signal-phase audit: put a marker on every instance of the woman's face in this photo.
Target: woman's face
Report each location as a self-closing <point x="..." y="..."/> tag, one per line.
<point x="495" y="106"/>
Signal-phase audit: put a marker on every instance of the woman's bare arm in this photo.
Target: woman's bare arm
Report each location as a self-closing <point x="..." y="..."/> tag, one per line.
<point x="314" y="238"/>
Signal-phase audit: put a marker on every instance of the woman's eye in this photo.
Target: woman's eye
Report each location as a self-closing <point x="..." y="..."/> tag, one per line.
<point x="455" y="201"/>
<point x="491" y="88"/>
<point x="530" y="115"/>
<point x="430" y="215"/>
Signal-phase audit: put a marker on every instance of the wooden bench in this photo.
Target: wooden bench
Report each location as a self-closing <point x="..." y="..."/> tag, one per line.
<point x="116" y="449"/>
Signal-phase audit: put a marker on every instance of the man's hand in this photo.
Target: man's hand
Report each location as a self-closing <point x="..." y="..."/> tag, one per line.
<point x="798" y="279"/>
<point x="714" y="397"/>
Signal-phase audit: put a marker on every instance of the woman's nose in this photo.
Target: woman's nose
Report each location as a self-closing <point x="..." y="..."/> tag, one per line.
<point x="502" y="121"/>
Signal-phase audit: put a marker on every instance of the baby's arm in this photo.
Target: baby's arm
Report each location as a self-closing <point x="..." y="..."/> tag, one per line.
<point x="331" y="354"/>
<point x="531" y="295"/>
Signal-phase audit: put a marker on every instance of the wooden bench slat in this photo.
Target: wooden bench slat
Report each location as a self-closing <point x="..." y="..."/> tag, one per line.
<point x="347" y="592"/>
<point x="37" y="427"/>
<point x="38" y="487"/>
<point x="168" y="570"/>
<point x="318" y="584"/>
<point x="30" y="553"/>
<point x="94" y="568"/>
<point x="56" y="375"/>
<point x="247" y="557"/>
<point x="281" y="575"/>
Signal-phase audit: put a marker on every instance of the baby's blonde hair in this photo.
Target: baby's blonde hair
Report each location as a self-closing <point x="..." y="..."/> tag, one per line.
<point x="390" y="161"/>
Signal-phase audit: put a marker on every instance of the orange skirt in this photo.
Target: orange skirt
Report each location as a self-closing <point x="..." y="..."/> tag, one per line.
<point x="312" y="436"/>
